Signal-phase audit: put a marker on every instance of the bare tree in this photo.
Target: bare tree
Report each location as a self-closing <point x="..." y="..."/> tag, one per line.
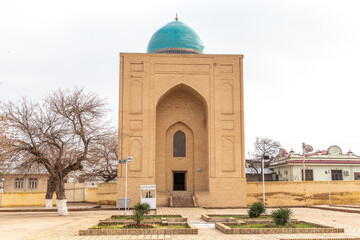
<point x="104" y="159"/>
<point x="7" y="139"/>
<point x="263" y="147"/>
<point x="57" y="134"/>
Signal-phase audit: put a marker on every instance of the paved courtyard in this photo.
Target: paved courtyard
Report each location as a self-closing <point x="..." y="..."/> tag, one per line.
<point x="48" y="225"/>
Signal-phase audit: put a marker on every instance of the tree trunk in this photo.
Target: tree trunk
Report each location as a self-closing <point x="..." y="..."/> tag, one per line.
<point x="60" y="196"/>
<point x="49" y="192"/>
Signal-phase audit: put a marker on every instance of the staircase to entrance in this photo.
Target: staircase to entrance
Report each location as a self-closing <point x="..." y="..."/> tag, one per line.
<point x="182" y="199"/>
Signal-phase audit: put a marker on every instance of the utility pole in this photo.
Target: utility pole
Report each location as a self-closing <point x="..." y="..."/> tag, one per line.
<point x="263" y="175"/>
<point x="303" y="148"/>
<point x="328" y="177"/>
<point x="263" y="181"/>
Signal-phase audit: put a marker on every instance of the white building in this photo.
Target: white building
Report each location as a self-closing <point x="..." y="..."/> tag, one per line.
<point x="329" y="164"/>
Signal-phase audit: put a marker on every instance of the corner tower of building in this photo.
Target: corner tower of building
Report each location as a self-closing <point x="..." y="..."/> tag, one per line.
<point x="181" y="117"/>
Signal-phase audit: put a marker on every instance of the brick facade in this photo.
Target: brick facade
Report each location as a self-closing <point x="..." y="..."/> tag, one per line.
<point x="200" y="95"/>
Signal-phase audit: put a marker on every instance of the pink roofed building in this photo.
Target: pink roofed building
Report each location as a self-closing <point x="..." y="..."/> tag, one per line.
<point x="330" y="164"/>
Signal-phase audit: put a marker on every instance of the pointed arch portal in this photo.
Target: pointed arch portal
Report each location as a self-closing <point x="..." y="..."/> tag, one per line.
<point x="181" y="141"/>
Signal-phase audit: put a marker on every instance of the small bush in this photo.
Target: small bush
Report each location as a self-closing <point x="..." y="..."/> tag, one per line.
<point x="256" y="209"/>
<point x="139" y="211"/>
<point x="281" y="216"/>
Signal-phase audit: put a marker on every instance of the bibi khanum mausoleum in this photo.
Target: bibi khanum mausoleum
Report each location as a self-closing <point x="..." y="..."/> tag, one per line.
<point x="181" y="117"/>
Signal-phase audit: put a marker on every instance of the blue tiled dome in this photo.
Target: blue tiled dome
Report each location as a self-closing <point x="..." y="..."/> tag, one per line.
<point x="175" y="37"/>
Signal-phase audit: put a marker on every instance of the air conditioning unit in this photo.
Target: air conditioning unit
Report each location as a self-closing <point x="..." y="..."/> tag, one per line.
<point x="285" y="172"/>
<point x="346" y="173"/>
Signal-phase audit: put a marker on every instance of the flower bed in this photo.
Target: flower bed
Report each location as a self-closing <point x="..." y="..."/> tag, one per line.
<point x="269" y="228"/>
<point x="155" y="224"/>
<point x="135" y="226"/>
<point x="147" y="219"/>
<point x="236" y="218"/>
<point x="123" y="229"/>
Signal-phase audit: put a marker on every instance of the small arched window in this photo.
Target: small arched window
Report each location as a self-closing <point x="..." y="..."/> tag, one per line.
<point x="179" y="144"/>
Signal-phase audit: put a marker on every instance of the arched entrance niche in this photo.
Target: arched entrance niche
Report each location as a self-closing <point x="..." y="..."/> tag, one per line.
<point x="181" y="121"/>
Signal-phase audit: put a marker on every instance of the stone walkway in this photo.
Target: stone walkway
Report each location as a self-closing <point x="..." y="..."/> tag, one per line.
<point x="190" y="213"/>
<point x="339" y="208"/>
<point x="44" y="226"/>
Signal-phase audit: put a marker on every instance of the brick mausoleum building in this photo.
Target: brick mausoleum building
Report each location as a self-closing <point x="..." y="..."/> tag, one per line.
<point x="181" y="117"/>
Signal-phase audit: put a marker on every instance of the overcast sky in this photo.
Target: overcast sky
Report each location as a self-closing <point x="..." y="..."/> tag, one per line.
<point x="301" y="58"/>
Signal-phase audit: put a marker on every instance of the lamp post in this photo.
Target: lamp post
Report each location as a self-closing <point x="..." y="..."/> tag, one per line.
<point x="263" y="175"/>
<point x="121" y="161"/>
<point x="303" y="148"/>
<point x="328" y="177"/>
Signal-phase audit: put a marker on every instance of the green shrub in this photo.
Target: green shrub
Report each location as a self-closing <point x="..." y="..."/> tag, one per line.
<point x="281" y="216"/>
<point x="139" y="211"/>
<point x="256" y="209"/>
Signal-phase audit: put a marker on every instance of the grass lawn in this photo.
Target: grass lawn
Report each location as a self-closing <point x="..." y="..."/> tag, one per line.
<point x="146" y="217"/>
<point x="272" y="225"/>
<point x="240" y="217"/>
<point x="123" y="226"/>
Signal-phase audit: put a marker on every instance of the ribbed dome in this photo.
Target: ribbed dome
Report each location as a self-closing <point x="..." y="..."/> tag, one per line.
<point x="175" y="37"/>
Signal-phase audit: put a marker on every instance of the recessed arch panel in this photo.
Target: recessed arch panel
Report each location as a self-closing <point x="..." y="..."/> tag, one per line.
<point x="228" y="154"/>
<point x="135" y="151"/>
<point x="136" y="97"/>
<point x="227" y="98"/>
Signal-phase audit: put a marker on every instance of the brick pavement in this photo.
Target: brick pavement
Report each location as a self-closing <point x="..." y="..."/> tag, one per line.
<point x="190" y="213"/>
<point x="67" y="227"/>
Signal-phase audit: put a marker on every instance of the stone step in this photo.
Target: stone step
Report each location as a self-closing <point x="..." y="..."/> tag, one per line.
<point x="183" y="202"/>
<point x="182" y="199"/>
<point x="182" y="194"/>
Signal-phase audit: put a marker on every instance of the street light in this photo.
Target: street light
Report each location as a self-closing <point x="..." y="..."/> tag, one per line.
<point x="121" y="161"/>
<point x="328" y="177"/>
<point x="263" y="175"/>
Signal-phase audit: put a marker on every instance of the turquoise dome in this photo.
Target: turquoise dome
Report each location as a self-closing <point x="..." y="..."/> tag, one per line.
<point x="175" y="37"/>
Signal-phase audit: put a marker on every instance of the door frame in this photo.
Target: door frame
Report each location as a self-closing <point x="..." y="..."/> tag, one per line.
<point x="185" y="179"/>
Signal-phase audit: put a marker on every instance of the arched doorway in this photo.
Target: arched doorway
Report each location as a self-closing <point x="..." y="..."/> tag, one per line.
<point x="179" y="158"/>
<point x="181" y="141"/>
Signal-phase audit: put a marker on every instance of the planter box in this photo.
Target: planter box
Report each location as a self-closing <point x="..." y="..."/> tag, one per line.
<point x="148" y="231"/>
<point x="208" y="218"/>
<point x="156" y="219"/>
<point x="227" y="218"/>
<point x="223" y="227"/>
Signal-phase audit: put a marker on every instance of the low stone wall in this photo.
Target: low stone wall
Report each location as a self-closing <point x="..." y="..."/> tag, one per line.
<point x="208" y="218"/>
<point x="91" y="195"/>
<point x="168" y="231"/>
<point x="163" y="218"/>
<point x="229" y="218"/>
<point x="24" y="199"/>
<point x="107" y="193"/>
<point x="304" y="193"/>
<point x="277" y="194"/>
<point x="322" y="229"/>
